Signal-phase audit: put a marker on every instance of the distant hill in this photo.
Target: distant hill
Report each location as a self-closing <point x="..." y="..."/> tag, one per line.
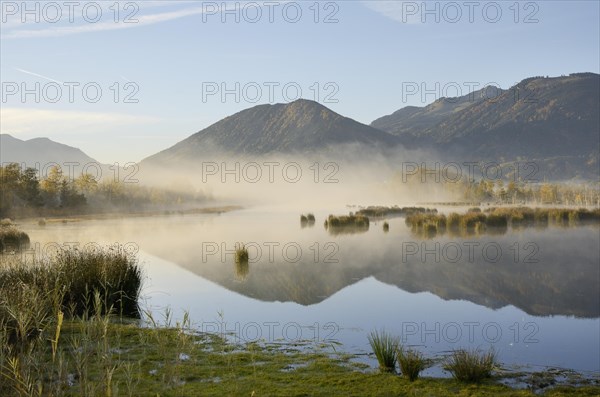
<point x="300" y="126"/>
<point x="553" y="121"/>
<point x="39" y="150"/>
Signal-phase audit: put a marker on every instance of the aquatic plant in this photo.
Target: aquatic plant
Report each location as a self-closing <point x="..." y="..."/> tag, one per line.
<point x="385" y="347"/>
<point x="471" y="365"/>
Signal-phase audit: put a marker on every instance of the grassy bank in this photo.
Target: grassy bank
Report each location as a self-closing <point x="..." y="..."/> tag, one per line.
<point x="99" y="357"/>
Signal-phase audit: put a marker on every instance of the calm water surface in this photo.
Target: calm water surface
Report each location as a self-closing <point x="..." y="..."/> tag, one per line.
<point x="532" y="294"/>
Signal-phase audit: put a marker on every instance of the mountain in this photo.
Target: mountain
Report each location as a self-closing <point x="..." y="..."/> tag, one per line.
<point x="554" y="121"/>
<point x="299" y="126"/>
<point x="413" y="119"/>
<point x="39" y="150"/>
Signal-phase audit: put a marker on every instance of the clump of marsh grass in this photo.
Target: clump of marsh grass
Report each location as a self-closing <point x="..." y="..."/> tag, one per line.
<point x="411" y="363"/>
<point x="385" y="346"/>
<point x="11" y="238"/>
<point x="307" y="220"/>
<point x="242" y="267"/>
<point x="471" y="365"/>
<point x="241" y="254"/>
<point x="113" y="273"/>
<point x="380" y="211"/>
<point x="31" y="294"/>
<point x="348" y="221"/>
<point x="386" y="227"/>
<point x="347" y="224"/>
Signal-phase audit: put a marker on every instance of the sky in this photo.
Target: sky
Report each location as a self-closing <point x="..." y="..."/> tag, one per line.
<point x="124" y="80"/>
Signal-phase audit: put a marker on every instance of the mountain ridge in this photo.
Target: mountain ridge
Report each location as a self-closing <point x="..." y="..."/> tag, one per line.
<point x="299" y="126"/>
<point x="39" y="150"/>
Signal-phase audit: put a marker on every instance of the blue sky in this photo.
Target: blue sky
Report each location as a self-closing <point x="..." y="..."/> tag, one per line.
<point x="169" y="55"/>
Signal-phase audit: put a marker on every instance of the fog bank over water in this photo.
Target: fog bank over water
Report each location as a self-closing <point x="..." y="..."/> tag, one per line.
<point x="334" y="176"/>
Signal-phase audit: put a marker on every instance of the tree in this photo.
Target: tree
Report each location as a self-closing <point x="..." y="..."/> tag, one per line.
<point x="69" y="198"/>
<point x="51" y="186"/>
<point x="86" y="184"/>
<point x="29" y="188"/>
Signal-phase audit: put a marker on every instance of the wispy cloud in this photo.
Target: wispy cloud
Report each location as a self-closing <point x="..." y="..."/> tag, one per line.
<point x="400" y="11"/>
<point x="38" y="75"/>
<point x="15" y="29"/>
<point x="16" y="121"/>
<point x="142" y="20"/>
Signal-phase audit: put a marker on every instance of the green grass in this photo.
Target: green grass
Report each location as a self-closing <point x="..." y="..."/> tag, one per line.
<point x="385" y="346"/>
<point x="75" y="282"/>
<point x="471" y="366"/>
<point x="411" y="363"/>
<point x="124" y="359"/>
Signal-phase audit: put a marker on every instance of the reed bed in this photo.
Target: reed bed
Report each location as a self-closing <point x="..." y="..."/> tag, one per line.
<point x="497" y="220"/>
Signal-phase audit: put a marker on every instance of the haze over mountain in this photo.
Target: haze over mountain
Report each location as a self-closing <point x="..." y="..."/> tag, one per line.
<point x="39" y="150"/>
<point x="299" y="126"/>
<point x="552" y="121"/>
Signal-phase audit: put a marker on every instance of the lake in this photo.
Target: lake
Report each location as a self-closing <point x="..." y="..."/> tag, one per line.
<point x="531" y="294"/>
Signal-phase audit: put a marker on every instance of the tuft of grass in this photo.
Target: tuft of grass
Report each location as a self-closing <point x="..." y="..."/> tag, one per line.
<point x="353" y="223"/>
<point x="385" y="347"/>
<point x="453" y="221"/>
<point x="308" y="219"/>
<point x="411" y="363"/>
<point x="471" y="366"/>
<point x="241" y="254"/>
<point x="386" y="227"/>
<point x="11" y="238"/>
